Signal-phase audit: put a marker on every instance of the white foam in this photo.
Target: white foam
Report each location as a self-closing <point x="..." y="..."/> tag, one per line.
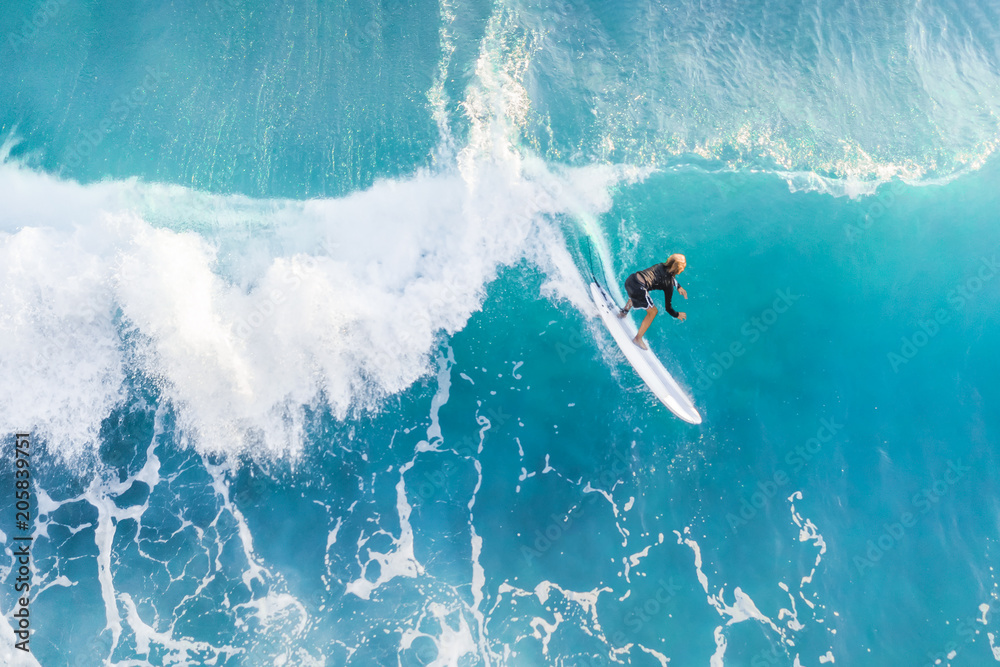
<point x="146" y="635"/>
<point x="9" y="655"/>
<point x="104" y="537"/>
<point x="339" y="301"/>
<point x="543" y="592"/>
<point x="544" y="630"/>
<point x="993" y="647"/>
<point x="243" y="311"/>
<point x="453" y="644"/>
<point x="400" y="561"/>
<point x="742" y="609"/>
<point x="662" y="659"/>
<point x="220" y="485"/>
<point x="718" y="658"/>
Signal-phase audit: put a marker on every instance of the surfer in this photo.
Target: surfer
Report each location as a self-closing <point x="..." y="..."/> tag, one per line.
<point x="658" y="277"/>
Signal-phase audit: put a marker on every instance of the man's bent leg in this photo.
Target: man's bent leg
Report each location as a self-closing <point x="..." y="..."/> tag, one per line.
<point x="650" y="316"/>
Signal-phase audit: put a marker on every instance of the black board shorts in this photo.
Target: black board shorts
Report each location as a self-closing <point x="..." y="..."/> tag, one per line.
<point x="637" y="292"/>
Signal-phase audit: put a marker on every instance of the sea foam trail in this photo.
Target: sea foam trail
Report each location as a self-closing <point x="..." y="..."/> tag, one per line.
<point x="244" y="311"/>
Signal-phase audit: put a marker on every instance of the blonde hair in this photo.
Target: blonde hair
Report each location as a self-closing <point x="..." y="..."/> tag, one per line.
<point x="673" y="261"/>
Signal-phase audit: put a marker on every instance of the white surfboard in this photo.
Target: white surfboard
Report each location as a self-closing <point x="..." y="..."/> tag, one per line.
<point x="645" y="362"/>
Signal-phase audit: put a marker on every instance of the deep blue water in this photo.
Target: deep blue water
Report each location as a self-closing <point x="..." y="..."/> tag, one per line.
<point x="293" y="302"/>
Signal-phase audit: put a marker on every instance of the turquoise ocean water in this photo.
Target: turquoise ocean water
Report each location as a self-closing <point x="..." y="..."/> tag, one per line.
<point x="293" y="300"/>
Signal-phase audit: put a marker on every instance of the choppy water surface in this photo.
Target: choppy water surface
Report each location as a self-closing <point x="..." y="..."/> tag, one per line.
<point x="293" y="301"/>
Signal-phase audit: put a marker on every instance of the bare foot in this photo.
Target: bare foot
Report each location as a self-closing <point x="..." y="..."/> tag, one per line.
<point x="640" y="342"/>
<point x="622" y="313"/>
